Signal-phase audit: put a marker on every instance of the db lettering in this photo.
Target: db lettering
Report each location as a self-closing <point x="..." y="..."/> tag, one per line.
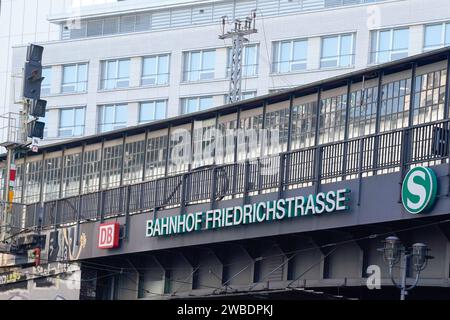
<point x="108" y="237"/>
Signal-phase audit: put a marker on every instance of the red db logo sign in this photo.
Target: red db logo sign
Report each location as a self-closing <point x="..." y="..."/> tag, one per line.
<point x="108" y="236"/>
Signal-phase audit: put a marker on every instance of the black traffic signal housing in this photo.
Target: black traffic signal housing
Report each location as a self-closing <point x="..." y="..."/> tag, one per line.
<point x="32" y="91"/>
<point x="38" y="108"/>
<point x="32" y="81"/>
<point x="36" y="129"/>
<point x="34" y="53"/>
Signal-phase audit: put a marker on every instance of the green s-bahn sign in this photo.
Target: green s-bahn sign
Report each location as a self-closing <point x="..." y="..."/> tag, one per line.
<point x="419" y="190"/>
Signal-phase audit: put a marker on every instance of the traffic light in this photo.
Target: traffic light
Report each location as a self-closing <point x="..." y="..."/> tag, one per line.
<point x="38" y="108"/>
<point x="32" y="91"/>
<point x="36" y="129"/>
<point x="34" y="53"/>
<point x="33" y="80"/>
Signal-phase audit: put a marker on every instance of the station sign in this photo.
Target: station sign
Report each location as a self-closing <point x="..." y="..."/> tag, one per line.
<point x="419" y="190"/>
<point x="268" y="211"/>
<point x="108" y="235"/>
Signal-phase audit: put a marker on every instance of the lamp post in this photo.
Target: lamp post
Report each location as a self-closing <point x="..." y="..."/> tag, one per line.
<point x="394" y="252"/>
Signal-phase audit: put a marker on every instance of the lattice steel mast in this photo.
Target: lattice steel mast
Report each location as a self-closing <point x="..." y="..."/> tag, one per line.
<point x="237" y="34"/>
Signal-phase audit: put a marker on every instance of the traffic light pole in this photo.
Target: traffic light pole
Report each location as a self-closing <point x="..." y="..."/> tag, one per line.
<point x="33" y="106"/>
<point x="6" y="221"/>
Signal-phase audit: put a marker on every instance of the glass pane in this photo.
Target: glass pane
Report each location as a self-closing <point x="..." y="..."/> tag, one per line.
<point x="82" y="72"/>
<point x="79" y="117"/>
<point x="300" y="50"/>
<point x="195" y="61"/>
<point x="163" y="64"/>
<point x="46" y="73"/>
<point x="70" y="74"/>
<point x="401" y="39"/>
<point x="108" y="114"/>
<point x="346" y="45"/>
<point x="121" y="113"/>
<point x="285" y="54"/>
<point x="67" y="118"/>
<point x="384" y="41"/>
<point x="147" y="111"/>
<point x="433" y="35"/>
<point x="111" y="69"/>
<point x="192" y="105"/>
<point x="329" y="47"/>
<point x="124" y="68"/>
<point x="447" y="34"/>
<point x="160" y="110"/>
<point x="208" y="60"/>
<point x="205" y="103"/>
<point x="149" y="67"/>
<point x="250" y="55"/>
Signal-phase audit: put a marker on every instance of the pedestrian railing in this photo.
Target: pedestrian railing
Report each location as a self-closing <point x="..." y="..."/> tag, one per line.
<point x="427" y="144"/>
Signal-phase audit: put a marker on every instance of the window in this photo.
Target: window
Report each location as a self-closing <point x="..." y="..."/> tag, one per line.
<point x="389" y="45"/>
<point x="155" y="70"/>
<point x="71" y="122"/>
<point x="156" y="157"/>
<point x="249" y="61"/>
<point x="429" y="96"/>
<point x="199" y="65"/>
<point x="337" y="51"/>
<point x="394" y="113"/>
<point x="47" y="82"/>
<point x="195" y="104"/>
<point x="152" y="110"/>
<point x="133" y="162"/>
<point x="115" y="74"/>
<point x="74" y="78"/>
<point x="52" y="178"/>
<point x="362" y="112"/>
<point x="304" y="125"/>
<point x="436" y="36"/>
<point x="289" y="56"/>
<point x="91" y="170"/>
<point x="332" y="119"/>
<point x="112" y="166"/>
<point x="244" y="96"/>
<point x="71" y="175"/>
<point x="112" y="117"/>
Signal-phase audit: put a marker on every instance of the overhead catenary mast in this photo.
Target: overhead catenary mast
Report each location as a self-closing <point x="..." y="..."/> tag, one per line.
<point x="242" y="28"/>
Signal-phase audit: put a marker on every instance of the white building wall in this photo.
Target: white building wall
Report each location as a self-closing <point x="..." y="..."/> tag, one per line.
<point x="359" y="19"/>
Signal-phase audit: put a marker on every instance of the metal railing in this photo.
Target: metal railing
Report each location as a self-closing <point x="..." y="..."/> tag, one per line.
<point x="374" y="154"/>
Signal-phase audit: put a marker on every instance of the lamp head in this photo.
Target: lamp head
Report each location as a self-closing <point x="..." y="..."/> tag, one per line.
<point x="392" y="250"/>
<point x="419" y="255"/>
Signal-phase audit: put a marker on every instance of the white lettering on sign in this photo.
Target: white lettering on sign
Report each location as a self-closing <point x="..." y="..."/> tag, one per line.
<point x="108" y="236"/>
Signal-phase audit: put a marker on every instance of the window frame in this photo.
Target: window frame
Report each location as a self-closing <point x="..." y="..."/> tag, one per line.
<point x="442" y="43"/>
<point x="374" y="54"/>
<point x="157" y="75"/>
<point x="275" y="68"/>
<point x="253" y="66"/>
<point x="78" y="82"/>
<point x="104" y="73"/>
<point x="197" y="98"/>
<point x="115" y="125"/>
<point x="186" y="72"/>
<point x="154" y="102"/>
<point x="74" y="125"/>
<point x="339" y="56"/>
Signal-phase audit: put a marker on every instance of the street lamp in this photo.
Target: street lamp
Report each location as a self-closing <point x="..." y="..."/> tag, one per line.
<point x="394" y="251"/>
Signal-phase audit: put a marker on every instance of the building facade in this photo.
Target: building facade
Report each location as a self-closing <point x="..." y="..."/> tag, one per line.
<point x="124" y="63"/>
<point x="145" y="217"/>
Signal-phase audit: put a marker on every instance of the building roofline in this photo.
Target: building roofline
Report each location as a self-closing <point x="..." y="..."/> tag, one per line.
<point x="99" y="11"/>
<point x="303" y="90"/>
